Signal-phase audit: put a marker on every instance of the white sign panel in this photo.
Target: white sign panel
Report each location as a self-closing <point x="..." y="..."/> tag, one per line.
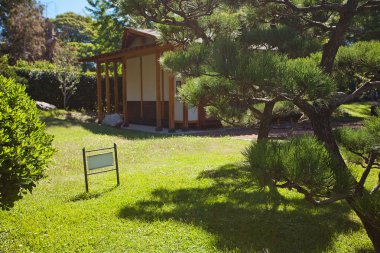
<point x="100" y="161"/>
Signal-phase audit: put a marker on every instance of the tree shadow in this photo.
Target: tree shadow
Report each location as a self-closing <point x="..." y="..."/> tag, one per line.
<point x="102" y="130"/>
<point x="245" y="218"/>
<point x="282" y="131"/>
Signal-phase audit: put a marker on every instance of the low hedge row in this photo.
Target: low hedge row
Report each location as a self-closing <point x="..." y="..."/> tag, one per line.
<point x="43" y="85"/>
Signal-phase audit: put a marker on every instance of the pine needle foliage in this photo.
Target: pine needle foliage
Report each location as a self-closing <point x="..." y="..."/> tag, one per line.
<point x="302" y="160"/>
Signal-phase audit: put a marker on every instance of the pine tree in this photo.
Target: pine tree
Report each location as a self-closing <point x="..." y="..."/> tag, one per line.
<point x="235" y="57"/>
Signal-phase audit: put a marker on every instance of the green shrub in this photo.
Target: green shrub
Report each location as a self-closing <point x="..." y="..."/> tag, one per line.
<point x="24" y="146"/>
<point x="8" y="71"/>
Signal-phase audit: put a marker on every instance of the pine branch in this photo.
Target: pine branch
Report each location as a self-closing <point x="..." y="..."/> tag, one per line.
<point x="358" y="154"/>
<point x="309" y="197"/>
<point x="371" y="160"/>
<point x="258" y="114"/>
<point x="315" y="23"/>
<point x="312" y="8"/>
<point x="335" y="103"/>
<point x="163" y="12"/>
<point x="369" y="5"/>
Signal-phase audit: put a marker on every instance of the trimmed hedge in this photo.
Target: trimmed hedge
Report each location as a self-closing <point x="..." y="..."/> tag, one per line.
<point x="43" y="85"/>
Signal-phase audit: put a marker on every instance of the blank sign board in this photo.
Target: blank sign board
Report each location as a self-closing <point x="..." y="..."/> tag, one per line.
<point x="100" y="161"/>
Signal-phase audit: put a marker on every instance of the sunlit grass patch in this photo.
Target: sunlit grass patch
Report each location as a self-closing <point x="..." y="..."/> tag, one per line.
<point x="357" y="110"/>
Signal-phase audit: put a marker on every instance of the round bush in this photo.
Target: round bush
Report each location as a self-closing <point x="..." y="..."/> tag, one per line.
<point x="24" y="146"/>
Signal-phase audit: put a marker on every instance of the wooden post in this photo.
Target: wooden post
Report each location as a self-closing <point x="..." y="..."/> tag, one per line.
<point x="116" y="87"/>
<point x="201" y="115"/>
<point x="163" y="93"/>
<point x="108" y="95"/>
<point x="185" y="126"/>
<point x="85" y="168"/>
<point x="171" y="104"/>
<point x="125" y="107"/>
<point x="99" y="90"/>
<point x="158" y="94"/>
<point x="141" y="90"/>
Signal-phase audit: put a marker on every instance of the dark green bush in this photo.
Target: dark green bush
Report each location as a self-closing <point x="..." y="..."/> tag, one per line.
<point x="24" y="146"/>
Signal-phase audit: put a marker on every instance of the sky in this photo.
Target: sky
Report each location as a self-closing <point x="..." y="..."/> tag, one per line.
<point x="55" y="7"/>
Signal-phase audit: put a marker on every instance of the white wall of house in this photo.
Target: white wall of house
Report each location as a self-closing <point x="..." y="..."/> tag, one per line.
<point x="178" y="111"/>
<point x="133" y="79"/>
<point x="193" y="113"/>
<point x="149" y="85"/>
<point x="149" y="77"/>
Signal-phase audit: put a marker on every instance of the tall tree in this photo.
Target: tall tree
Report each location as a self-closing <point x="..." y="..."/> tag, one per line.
<point x="72" y="27"/>
<point x="109" y="23"/>
<point x="79" y="33"/>
<point x="26" y="41"/>
<point x="5" y="9"/>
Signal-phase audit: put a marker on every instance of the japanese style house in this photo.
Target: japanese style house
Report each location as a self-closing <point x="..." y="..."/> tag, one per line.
<point x="148" y="93"/>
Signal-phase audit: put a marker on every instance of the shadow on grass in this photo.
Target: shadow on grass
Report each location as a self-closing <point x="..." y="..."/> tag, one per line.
<point x="243" y="218"/>
<point x="275" y="133"/>
<point x="88" y="195"/>
<point x="103" y="130"/>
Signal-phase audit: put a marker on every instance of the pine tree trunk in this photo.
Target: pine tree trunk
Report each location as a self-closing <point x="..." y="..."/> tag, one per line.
<point x="373" y="230"/>
<point x="266" y="120"/>
<point x="330" y="49"/>
<point x="321" y="125"/>
<point x="320" y="121"/>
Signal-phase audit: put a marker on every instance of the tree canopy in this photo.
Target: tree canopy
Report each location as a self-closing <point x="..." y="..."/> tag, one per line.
<point x="72" y="27"/>
<point x="25" y="41"/>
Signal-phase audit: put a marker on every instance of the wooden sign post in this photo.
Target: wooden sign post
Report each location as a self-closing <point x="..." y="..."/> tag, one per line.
<point x="99" y="159"/>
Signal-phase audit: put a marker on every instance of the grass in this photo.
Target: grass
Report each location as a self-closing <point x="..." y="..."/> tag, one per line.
<point x="360" y="110"/>
<point x="177" y="194"/>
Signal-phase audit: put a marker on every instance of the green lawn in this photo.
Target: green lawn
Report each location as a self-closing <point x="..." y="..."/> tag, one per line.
<point x="357" y="110"/>
<point x="177" y="194"/>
